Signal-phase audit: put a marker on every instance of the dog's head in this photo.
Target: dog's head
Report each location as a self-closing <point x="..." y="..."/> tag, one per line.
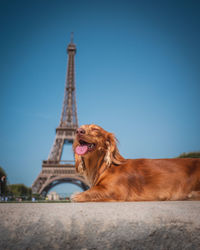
<point x="92" y="142"/>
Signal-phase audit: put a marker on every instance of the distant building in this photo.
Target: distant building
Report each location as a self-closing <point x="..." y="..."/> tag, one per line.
<point x="53" y="196"/>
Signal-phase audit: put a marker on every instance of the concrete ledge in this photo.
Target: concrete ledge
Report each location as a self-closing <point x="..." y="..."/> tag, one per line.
<point x="134" y="225"/>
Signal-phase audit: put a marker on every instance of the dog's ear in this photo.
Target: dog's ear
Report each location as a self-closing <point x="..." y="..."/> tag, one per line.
<point x="112" y="152"/>
<point x="79" y="164"/>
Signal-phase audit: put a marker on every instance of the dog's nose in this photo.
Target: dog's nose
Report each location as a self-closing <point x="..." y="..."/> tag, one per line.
<point x="80" y="131"/>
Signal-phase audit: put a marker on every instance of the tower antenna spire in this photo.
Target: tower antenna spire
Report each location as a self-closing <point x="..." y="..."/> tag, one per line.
<point x="72" y="37"/>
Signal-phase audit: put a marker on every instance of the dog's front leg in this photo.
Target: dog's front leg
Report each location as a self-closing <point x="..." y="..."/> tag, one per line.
<point x="94" y="194"/>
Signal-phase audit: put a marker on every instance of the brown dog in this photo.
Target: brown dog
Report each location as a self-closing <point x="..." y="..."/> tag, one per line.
<point x="113" y="178"/>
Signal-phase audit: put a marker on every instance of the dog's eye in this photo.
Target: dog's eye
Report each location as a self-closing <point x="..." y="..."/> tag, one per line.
<point x="95" y="129"/>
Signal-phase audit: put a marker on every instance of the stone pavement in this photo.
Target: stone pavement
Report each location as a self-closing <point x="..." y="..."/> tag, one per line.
<point x="133" y="225"/>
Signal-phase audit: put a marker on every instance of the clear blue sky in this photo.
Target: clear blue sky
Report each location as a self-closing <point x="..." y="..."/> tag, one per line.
<point x="137" y="75"/>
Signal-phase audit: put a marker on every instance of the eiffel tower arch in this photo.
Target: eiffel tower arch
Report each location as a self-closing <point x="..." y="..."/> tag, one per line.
<point x="54" y="170"/>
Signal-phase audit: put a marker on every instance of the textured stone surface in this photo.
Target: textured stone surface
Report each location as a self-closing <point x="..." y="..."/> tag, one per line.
<point x="134" y="225"/>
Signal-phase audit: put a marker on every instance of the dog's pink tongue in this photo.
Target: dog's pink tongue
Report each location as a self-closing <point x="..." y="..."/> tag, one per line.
<point x="81" y="150"/>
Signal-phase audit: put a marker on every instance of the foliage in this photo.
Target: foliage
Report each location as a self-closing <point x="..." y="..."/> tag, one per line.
<point x="3" y="182"/>
<point x="19" y="190"/>
<point x="190" y="155"/>
<point x="2" y="172"/>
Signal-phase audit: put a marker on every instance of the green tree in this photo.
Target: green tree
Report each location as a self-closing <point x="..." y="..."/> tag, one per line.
<point x="3" y="182"/>
<point x="190" y="155"/>
<point x="20" y="190"/>
<point x="2" y="172"/>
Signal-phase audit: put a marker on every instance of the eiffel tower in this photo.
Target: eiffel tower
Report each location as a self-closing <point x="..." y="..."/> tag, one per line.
<point x="54" y="171"/>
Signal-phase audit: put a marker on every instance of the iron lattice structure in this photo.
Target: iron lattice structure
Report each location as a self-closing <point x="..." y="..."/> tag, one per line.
<point x="53" y="170"/>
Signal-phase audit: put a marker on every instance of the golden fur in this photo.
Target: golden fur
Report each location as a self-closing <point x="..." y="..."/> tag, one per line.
<point x="113" y="178"/>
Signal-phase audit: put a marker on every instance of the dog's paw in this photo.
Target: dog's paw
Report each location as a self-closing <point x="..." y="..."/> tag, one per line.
<point x="75" y="197"/>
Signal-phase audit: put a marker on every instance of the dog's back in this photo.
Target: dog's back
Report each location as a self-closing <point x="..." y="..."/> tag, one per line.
<point x="155" y="179"/>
